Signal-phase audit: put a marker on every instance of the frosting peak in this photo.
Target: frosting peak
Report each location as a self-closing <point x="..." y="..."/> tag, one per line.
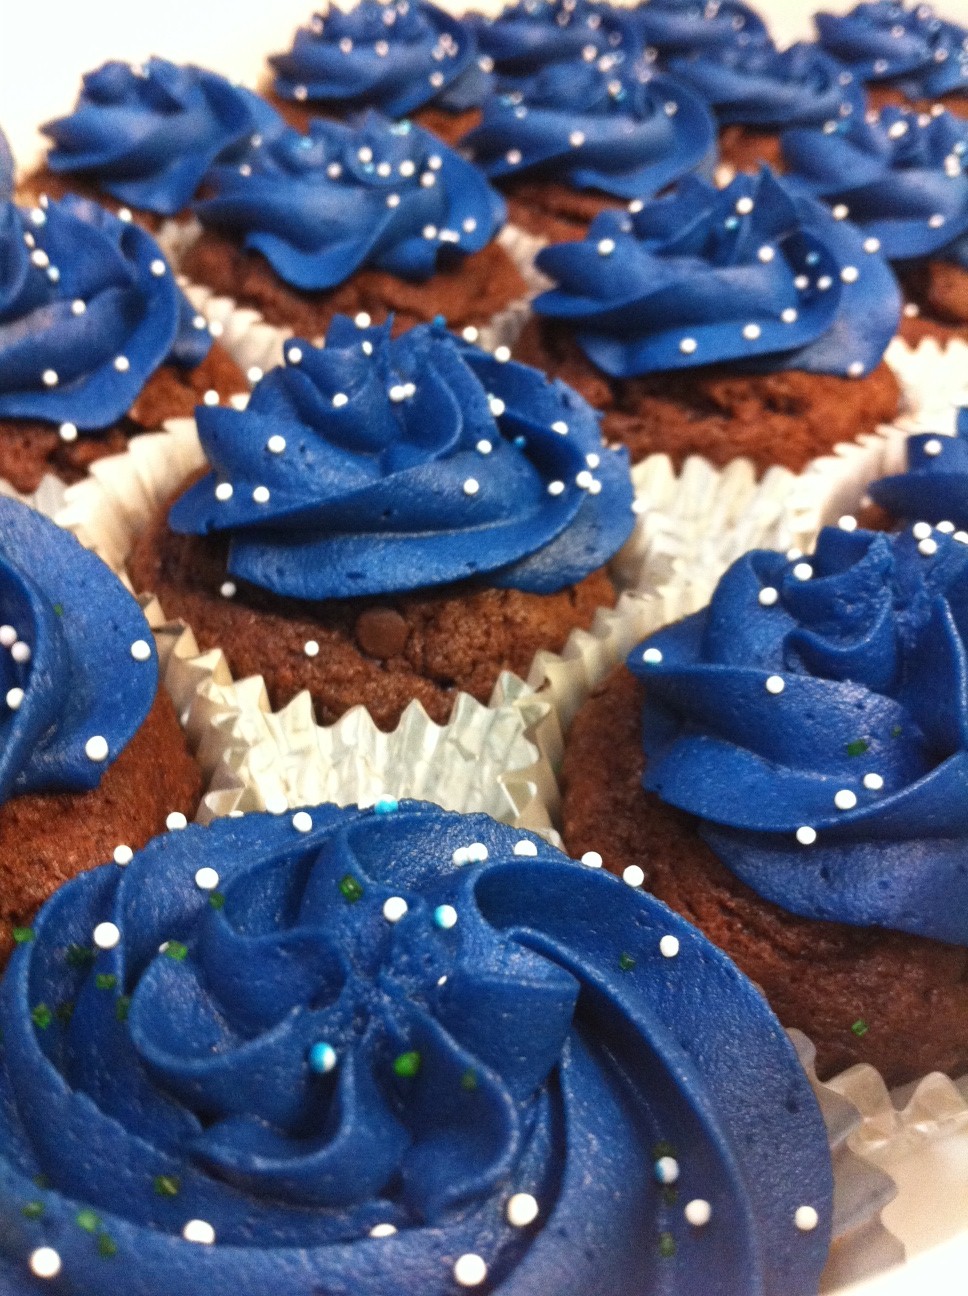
<point x="78" y="673"/>
<point x="750" y="273"/>
<point x="528" y="36"/>
<point x="886" y="41"/>
<point x="377" y="193"/>
<point x="147" y="135"/>
<point x="687" y="26"/>
<point x="935" y="487"/>
<point x="820" y="733"/>
<point x="376" y="466"/>
<point x="373" y="1051"/>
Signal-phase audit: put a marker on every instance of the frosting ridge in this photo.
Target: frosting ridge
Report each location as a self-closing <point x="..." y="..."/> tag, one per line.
<point x="684" y="26"/>
<point x="935" y="486"/>
<point x="377" y="466"/>
<point x="912" y="47"/>
<point x="819" y="732"/>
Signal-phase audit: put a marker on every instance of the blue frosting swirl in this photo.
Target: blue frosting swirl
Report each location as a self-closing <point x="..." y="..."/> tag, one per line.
<point x="89" y="309"/>
<point x="935" y="487"/>
<point x="528" y="36"/>
<point x="376" y="466"/>
<point x="597" y="131"/>
<point x="342" y="1102"/>
<point x="396" y="57"/>
<point x="147" y="135"/>
<point x="921" y="53"/>
<point x="687" y="26"/>
<point x="321" y="206"/>
<point x="749" y="274"/>
<point x="68" y="670"/>
<point x="901" y="177"/>
<point x="760" y="86"/>
<point x="835" y="708"/>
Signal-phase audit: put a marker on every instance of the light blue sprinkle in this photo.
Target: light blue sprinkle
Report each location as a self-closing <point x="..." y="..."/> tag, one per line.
<point x="322" y="1058"/>
<point x="386" y="805"/>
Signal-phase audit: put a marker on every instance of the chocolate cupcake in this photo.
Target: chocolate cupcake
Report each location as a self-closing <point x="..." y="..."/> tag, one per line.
<point x="93" y="758"/>
<point x="801" y="747"/>
<point x="900" y="178"/>
<point x="578" y="138"/>
<point x="394" y="1050"/>
<point x="375" y="218"/>
<point x="98" y="342"/>
<point x="142" y="137"/>
<point x="407" y="58"/>
<point x="391" y="520"/>
<point x="742" y="322"/>
<point x="756" y="91"/>
<point x="933" y="492"/>
<point x="903" y="55"/>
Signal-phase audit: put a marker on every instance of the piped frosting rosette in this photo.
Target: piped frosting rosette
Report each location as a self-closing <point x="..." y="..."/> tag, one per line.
<point x="685" y="26"/>
<point x="382" y="194"/>
<point x="628" y="137"/>
<point x="147" y="134"/>
<point x="78" y="673"/>
<point x="396" y="57"/>
<point x="748" y="274"/>
<point x="89" y="309"/>
<point x="934" y="489"/>
<point x="394" y="1049"/>
<point x="760" y="86"/>
<point x="814" y="719"/>
<point x="531" y="35"/>
<point x="375" y="465"/>
<point x="900" y="177"/>
<point x="923" y="54"/>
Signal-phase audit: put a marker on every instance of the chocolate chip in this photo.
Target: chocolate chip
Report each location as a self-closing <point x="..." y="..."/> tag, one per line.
<point x="381" y="632"/>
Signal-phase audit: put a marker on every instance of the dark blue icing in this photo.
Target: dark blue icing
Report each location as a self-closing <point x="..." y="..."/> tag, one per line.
<point x="553" y="1050"/>
<point x="575" y="122"/>
<point x="749" y="274"/>
<point x="67" y="670"/>
<point x="838" y="704"/>
<point x="935" y="487"/>
<point x="147" y="135"/>
<point x="396" y="57"/>
<point x="760" y="86"/>
<point x="528" y="36"/>
<point x="408" y="464"/>
<point x="321" y="206"/>
<point x="901" y="177"/>
<point x="80" y="288"/>
<point x="686" y="26"/>
<point x="923" y="55"/>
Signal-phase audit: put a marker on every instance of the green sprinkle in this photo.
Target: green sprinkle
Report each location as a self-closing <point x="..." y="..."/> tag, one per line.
<point x="65" y="1011"/>
<point x="896" y="731"/>
<point x="670" y="1195"/>
<point x="42" y="1016"/>
<point x="177" y="951"/>
<point x="217" y="900"/>
<point x="468" y="1080"/>
<point x="41" y="1181"/>
<point x="121" y="1007"/>
<point x="858" y="747"/>
<point x="663" y="1149"/>
<point x="105" y="980"/>
<point x="407" y="1064"/>
<point x="167" y="1185"/>
<point x="667" y="1245"/>
<point x="58" y="609"/>
<point x="33" y="1210"/>
<point x="626" y="962"/>
<point x="80" y="956"/>
<point x="860" y="1028"/>
<point x="106" y="1246"/>
<point x="350" y="889"/>
<point x="23" y="935"/>
<point x="87" y="1220"/>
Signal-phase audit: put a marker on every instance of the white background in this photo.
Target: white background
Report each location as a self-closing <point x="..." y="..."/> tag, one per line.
<point x="45" y="46"/>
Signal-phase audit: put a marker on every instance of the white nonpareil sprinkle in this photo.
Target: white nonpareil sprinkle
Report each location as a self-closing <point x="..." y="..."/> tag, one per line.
<point x="667" y="1170"/>
<point x="847" y="522"/>
<point x="227" y="589"/>
<point x="15" y="697"/>
<point x="294" y="355"/>
<point x="744" y="206"/>
<point x="806" y="836"/>
<point x="606" y="247"/>
<point x="206" y="879"/>
<point x="806" y="1219"/>
<point x="669" y="946"/>
<point x="592" y="859"/>
<point x="688" y="345"/>
<point x="158" y="267"/>
<point x="652" y="656"/>
<point x="383" y="1230"/>
<point x="521" y="1210"/>
<point x="698" y="1212"/>
<point x="394" y="908"/>
<point x="775" y="684"/>
<point x="845" y="799"/>
<point x="445" y="916"/>
<point x="766" y="254"/>
<point x="123" y="855"/>
<point x="470" y="1270"/>
<point x="633" y="876"/>
<point x="872" y="244"/>
<point x="199" y="1231"/>
<point x="921" y="530"/>
<point x="176" y="821"/>
<point x="45" y="1263"/>
<point x="874" y="782"/>
<point x="261" y="494"/>
<point x="276" y="444"/>
<point x="340" y="399"/>
<point x="932" y="447"/>
<point x="560" y="427"/>
<point x="141" y="650"/>
<point x="751" y="332"/>
<point x="471" y="486"/>
<point x="525" y="847"/>
<point x="106" y="936"/>
<point x="556" y="487"/>
<point x="210" y="398"/>
<point x="850" y="274"/>
<point x="20" y="652"/>
<point x="68" y="431"/>
<point x="96" y="748"/>
<point x="311" y="648"/>
<point x="302" y="822"/>
<point x="802" y="571"/>
<point x="768" y="596"/>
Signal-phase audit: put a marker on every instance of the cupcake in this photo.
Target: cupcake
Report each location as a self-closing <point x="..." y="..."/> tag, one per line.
<point x="391" y="520"/>
<point x="682" y="27"/>
<point x="576" y="139"/>
<point x="98" y="342"/>
<point x="141" y="138"/>
<point x="900" y="178"/>
<point x="756" y="91"/>
<point x="934" y="489"/>
<point x="307" y="1053"/>
<point x="904" y="55"/>
<point x="801" y="746"/>
<point x="406" y="58"/>
<point x="742" y="322"/>
<point x="93" y="758"/>
<point x="374" y="218"/>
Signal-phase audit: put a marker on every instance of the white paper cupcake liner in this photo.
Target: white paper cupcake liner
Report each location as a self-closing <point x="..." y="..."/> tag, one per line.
<point x="48" y="498"/>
